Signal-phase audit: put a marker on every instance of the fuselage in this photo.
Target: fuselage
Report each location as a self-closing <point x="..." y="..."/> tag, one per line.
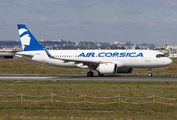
<point x="123" y="58"/>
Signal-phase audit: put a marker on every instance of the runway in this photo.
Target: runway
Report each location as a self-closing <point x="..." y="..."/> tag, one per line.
<point x="108" y="78"/>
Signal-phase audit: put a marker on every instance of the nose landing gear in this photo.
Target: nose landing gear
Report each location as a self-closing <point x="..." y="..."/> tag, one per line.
<point x="149" y="72"/>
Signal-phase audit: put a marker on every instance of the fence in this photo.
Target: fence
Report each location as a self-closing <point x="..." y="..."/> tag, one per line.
<point x="91" y="99"/>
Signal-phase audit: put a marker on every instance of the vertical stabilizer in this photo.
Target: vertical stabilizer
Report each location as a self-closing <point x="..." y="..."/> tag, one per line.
<point x="134" y="47"/>
<point x="28" y="41"/>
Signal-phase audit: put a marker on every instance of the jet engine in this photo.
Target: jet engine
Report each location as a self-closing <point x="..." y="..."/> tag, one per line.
<point x="108" y="68"/>
<point x="124" y="70"/>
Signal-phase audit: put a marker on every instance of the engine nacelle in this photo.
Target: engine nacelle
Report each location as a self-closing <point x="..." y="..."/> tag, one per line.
<point x="109" y="68"/>
<point x="124" y="70"/>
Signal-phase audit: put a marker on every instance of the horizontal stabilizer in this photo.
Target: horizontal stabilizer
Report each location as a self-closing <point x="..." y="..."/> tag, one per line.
<point x="24" y="53"/>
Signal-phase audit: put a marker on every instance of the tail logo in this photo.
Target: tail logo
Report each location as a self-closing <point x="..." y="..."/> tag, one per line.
<point x="24" y="37"/>
<point x="22" y="30"/>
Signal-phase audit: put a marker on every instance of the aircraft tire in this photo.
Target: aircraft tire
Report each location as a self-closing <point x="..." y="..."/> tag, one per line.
<point x="90" y="74"/>
<point x="149" y="74"/>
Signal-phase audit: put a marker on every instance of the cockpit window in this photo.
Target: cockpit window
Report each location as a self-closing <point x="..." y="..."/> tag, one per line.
<point x="160" y="55"/>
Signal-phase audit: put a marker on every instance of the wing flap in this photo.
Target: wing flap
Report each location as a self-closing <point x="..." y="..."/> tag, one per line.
<point x="77" y="60"/>
<point x="24" y="53"/>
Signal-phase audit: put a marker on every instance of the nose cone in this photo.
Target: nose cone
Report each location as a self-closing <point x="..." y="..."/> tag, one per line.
<point x="168" y="61"/>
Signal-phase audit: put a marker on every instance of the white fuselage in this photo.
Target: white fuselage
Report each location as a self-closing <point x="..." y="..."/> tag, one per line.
<point x="123" y="58"/>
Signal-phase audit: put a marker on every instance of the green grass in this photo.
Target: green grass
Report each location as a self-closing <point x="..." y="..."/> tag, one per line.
<point x="47" y="110"/>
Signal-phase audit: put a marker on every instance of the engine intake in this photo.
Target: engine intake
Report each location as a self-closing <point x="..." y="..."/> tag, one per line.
<point x="109" y="68"/>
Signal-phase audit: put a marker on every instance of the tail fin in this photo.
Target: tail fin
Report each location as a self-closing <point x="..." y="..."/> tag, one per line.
<point x="134" y="47"/>
<point x="28" y="41"/>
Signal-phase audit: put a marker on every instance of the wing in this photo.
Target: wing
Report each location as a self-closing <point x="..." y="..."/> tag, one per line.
<point x="90" y="63"/>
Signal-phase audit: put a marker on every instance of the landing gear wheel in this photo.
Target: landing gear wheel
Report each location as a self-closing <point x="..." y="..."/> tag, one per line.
<point x="100" y="74"/>
<point x="149" y="74"/>
<point x="90" y="74"/>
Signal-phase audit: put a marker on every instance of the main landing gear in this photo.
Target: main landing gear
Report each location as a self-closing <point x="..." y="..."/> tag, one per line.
<point x="90" y="74"/>
<point x="149" y="72"/>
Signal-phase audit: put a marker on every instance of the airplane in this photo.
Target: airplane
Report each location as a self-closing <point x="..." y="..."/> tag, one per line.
<point x="103" y="61"/>
<point x="134" y="47"/>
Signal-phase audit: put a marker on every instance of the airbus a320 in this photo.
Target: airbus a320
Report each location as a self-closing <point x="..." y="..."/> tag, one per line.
<point x="103" y="61"/>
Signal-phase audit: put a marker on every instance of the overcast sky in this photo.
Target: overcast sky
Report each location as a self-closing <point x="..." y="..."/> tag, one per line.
<point x="138" y="21"/>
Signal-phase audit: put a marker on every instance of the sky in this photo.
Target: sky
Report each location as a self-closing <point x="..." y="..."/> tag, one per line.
<point x="138" y="21"/>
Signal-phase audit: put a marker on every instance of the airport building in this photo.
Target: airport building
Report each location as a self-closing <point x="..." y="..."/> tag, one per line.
<point x="165" y="47"/>
<point x="6" y="54"/>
